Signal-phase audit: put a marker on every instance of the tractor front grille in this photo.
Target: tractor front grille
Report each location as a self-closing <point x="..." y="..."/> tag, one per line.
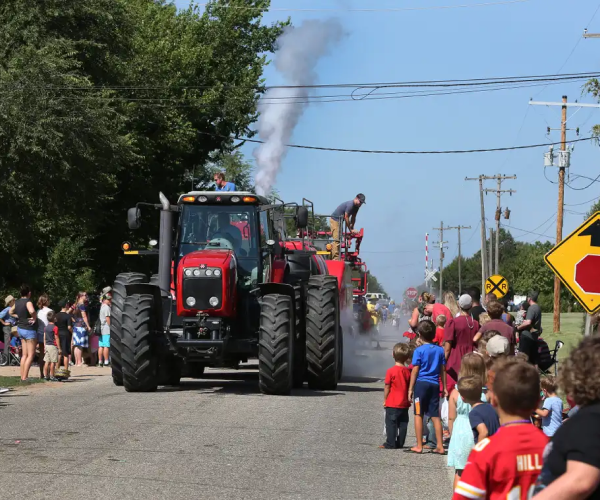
<point x="202" y="289"/>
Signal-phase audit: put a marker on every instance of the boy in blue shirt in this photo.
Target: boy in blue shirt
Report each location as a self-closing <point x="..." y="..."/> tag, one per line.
<point x="552" y="408"/>
<point x="429" y="366"/>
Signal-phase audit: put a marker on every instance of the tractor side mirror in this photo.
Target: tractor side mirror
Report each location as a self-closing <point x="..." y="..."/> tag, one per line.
<point x="302" y="217"/>
<point x="133" y="218"/>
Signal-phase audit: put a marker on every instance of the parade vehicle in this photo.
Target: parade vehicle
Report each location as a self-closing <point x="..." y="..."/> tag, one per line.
<point x="231" y="285"/>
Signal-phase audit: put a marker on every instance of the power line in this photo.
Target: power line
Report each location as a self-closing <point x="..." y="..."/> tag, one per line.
<point x="379" y="151"/>
<point x="593" y="181"/>
<point x="414" y="83"/>
<point x="528" y="232"/>
<point x="381" y="9"/>
<point x="582" y="203"/>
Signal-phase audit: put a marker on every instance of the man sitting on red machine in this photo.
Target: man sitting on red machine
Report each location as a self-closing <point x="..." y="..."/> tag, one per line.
<point x="345" y="212"/>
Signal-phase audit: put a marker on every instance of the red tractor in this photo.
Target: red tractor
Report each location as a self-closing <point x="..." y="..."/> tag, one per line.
<point x="230" y="286"/>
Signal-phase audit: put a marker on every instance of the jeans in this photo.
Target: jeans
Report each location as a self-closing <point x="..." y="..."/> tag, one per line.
<point x="396" y="425"/>
<point x="6" y="330"/>
<point x="430" y="439"/>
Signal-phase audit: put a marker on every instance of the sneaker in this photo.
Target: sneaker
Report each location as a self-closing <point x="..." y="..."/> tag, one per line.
<point x="106" y="363"/>
<point x="53" y="379"/>
<point x="3" y="390"/>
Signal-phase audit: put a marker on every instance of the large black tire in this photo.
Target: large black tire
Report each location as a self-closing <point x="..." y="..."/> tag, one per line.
<point x="116" y="312"/>
<point x="276" y="345"/>
<point x="140" y="360"/>
<point x="299" y="372"/>
<point x="322" y="333"/>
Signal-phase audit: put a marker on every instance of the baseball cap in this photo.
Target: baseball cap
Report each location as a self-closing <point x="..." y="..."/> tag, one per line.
<point x="106" y="290"/>
<point x="8" y="300"/>
<point x="361" y="198"/>
<point x="497" y="345"/>
<point x="465" y="301"/>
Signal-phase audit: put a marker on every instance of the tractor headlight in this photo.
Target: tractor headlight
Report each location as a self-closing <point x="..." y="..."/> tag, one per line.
<point x="235" y="199"/>
<point x="217" y="272"/>
<point x="190" y="301"/>
<point x="188" y="272"/>
<point x="202" y="199"/>
<point x="209" y="272"/>
<point x="196" y="272"/>
<point x="213" y="301"/>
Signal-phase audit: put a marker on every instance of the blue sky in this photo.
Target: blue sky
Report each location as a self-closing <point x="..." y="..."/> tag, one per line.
<point x="409" y="195"/>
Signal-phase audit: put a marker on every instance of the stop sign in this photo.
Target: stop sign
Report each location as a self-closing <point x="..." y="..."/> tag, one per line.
<point x="412" y="293"/>
<point x="587" y="274"/>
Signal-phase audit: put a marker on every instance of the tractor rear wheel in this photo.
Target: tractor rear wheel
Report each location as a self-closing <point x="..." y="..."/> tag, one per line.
<point x="140" y="360"/>
<point x="276" y="345"/>
<point x="118" y="300"/>
<point x="323" y="332"/>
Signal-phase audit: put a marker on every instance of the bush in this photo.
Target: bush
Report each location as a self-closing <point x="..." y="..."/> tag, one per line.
<point x="67" y="271"/>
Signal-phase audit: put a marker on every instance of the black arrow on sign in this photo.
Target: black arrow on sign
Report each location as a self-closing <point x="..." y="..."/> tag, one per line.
<point x="593" y="231"/>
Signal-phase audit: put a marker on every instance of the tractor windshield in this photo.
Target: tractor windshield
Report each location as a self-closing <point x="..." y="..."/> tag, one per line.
<point x="213" y="227"/>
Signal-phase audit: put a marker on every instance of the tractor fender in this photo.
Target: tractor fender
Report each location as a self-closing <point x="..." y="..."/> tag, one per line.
<point x="150" y="289"/>
<point x="279" y="288"/>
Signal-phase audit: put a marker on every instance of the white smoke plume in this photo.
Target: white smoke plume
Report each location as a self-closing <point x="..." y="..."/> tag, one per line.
<point x="299" y="51"/>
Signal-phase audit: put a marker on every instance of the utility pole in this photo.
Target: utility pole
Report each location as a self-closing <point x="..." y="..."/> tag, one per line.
<point x="564" y="161"/>
<point x="441" y="229"/>
<point x="483" y="233"/>
<point x="499" y="191"/>
<point x="459" y="257"/>
<point x="487" y="268"/>
<point x="491" y="257"/>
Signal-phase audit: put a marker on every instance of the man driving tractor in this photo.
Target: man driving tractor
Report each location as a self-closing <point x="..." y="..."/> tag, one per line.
<point x="345" y="212"/>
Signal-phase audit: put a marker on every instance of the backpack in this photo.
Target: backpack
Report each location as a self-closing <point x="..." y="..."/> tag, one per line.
<point x="98" y="328"/>
<point x="544" y="360"/>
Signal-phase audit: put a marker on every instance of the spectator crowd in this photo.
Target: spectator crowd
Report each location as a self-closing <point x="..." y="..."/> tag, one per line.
<point x="480" y="396"/>
<point x="55" y="339"/>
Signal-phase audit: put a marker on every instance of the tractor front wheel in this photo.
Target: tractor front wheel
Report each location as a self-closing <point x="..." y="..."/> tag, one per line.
<point x="323" y="332"/>
<point x="276" y="345"/>
<point x="140" y="361"/>
<point x="116" y="312"/>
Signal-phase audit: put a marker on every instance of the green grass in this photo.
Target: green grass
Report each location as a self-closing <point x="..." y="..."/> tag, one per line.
<point x="570" y="331"/>
<point x="16" y="382"/>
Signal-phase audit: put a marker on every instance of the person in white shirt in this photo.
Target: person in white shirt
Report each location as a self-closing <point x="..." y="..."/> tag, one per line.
<point x="42" y="316"/>
<point x="104" y="345"/>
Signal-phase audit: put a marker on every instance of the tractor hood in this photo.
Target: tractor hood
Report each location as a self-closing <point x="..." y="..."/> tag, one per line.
<point x="206" y="283"/>
<point x="213" y="257"/>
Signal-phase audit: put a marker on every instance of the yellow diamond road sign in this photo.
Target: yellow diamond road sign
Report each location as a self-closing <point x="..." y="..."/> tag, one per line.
<point x="576" y="261"/>
<point x="497" y="285"/>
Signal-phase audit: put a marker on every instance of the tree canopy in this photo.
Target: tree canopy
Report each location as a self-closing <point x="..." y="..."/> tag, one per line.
<point x="104" y="104"/>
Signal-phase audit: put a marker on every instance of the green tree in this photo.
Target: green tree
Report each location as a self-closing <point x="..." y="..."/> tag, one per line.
<point x="107" y="102"/>
<point x="373" y="285"/>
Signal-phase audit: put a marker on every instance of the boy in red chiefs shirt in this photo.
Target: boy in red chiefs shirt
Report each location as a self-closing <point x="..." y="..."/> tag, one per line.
<point x="395" y="398"/>
<point x="507" y="465"/>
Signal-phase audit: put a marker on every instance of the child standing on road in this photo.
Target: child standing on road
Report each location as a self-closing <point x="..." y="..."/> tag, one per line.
<point x="551" y="411"/>
<point x="429" y="365"/>
<point x="51" y="348"/>
<point x="395" y="399"/>
<point x="507" y="464"/>
<point x="461" y="436"/>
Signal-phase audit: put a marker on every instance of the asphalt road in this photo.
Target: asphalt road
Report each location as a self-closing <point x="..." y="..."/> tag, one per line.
<point x="215" y="438"/>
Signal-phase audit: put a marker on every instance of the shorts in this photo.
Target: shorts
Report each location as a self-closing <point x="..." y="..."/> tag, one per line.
<point x="51" y="355"/>
<point x="80" y="337"/>
<point x="65" y="345"/>
<point x="27" y="334"/>
<point x="105" y="340"/>
<point x="427" y="399"/>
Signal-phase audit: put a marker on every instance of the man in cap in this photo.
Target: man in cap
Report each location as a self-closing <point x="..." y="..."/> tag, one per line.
<point x="345" y="212"/>
<point x="531" y="328"/>
<point x="7" y="321"/>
